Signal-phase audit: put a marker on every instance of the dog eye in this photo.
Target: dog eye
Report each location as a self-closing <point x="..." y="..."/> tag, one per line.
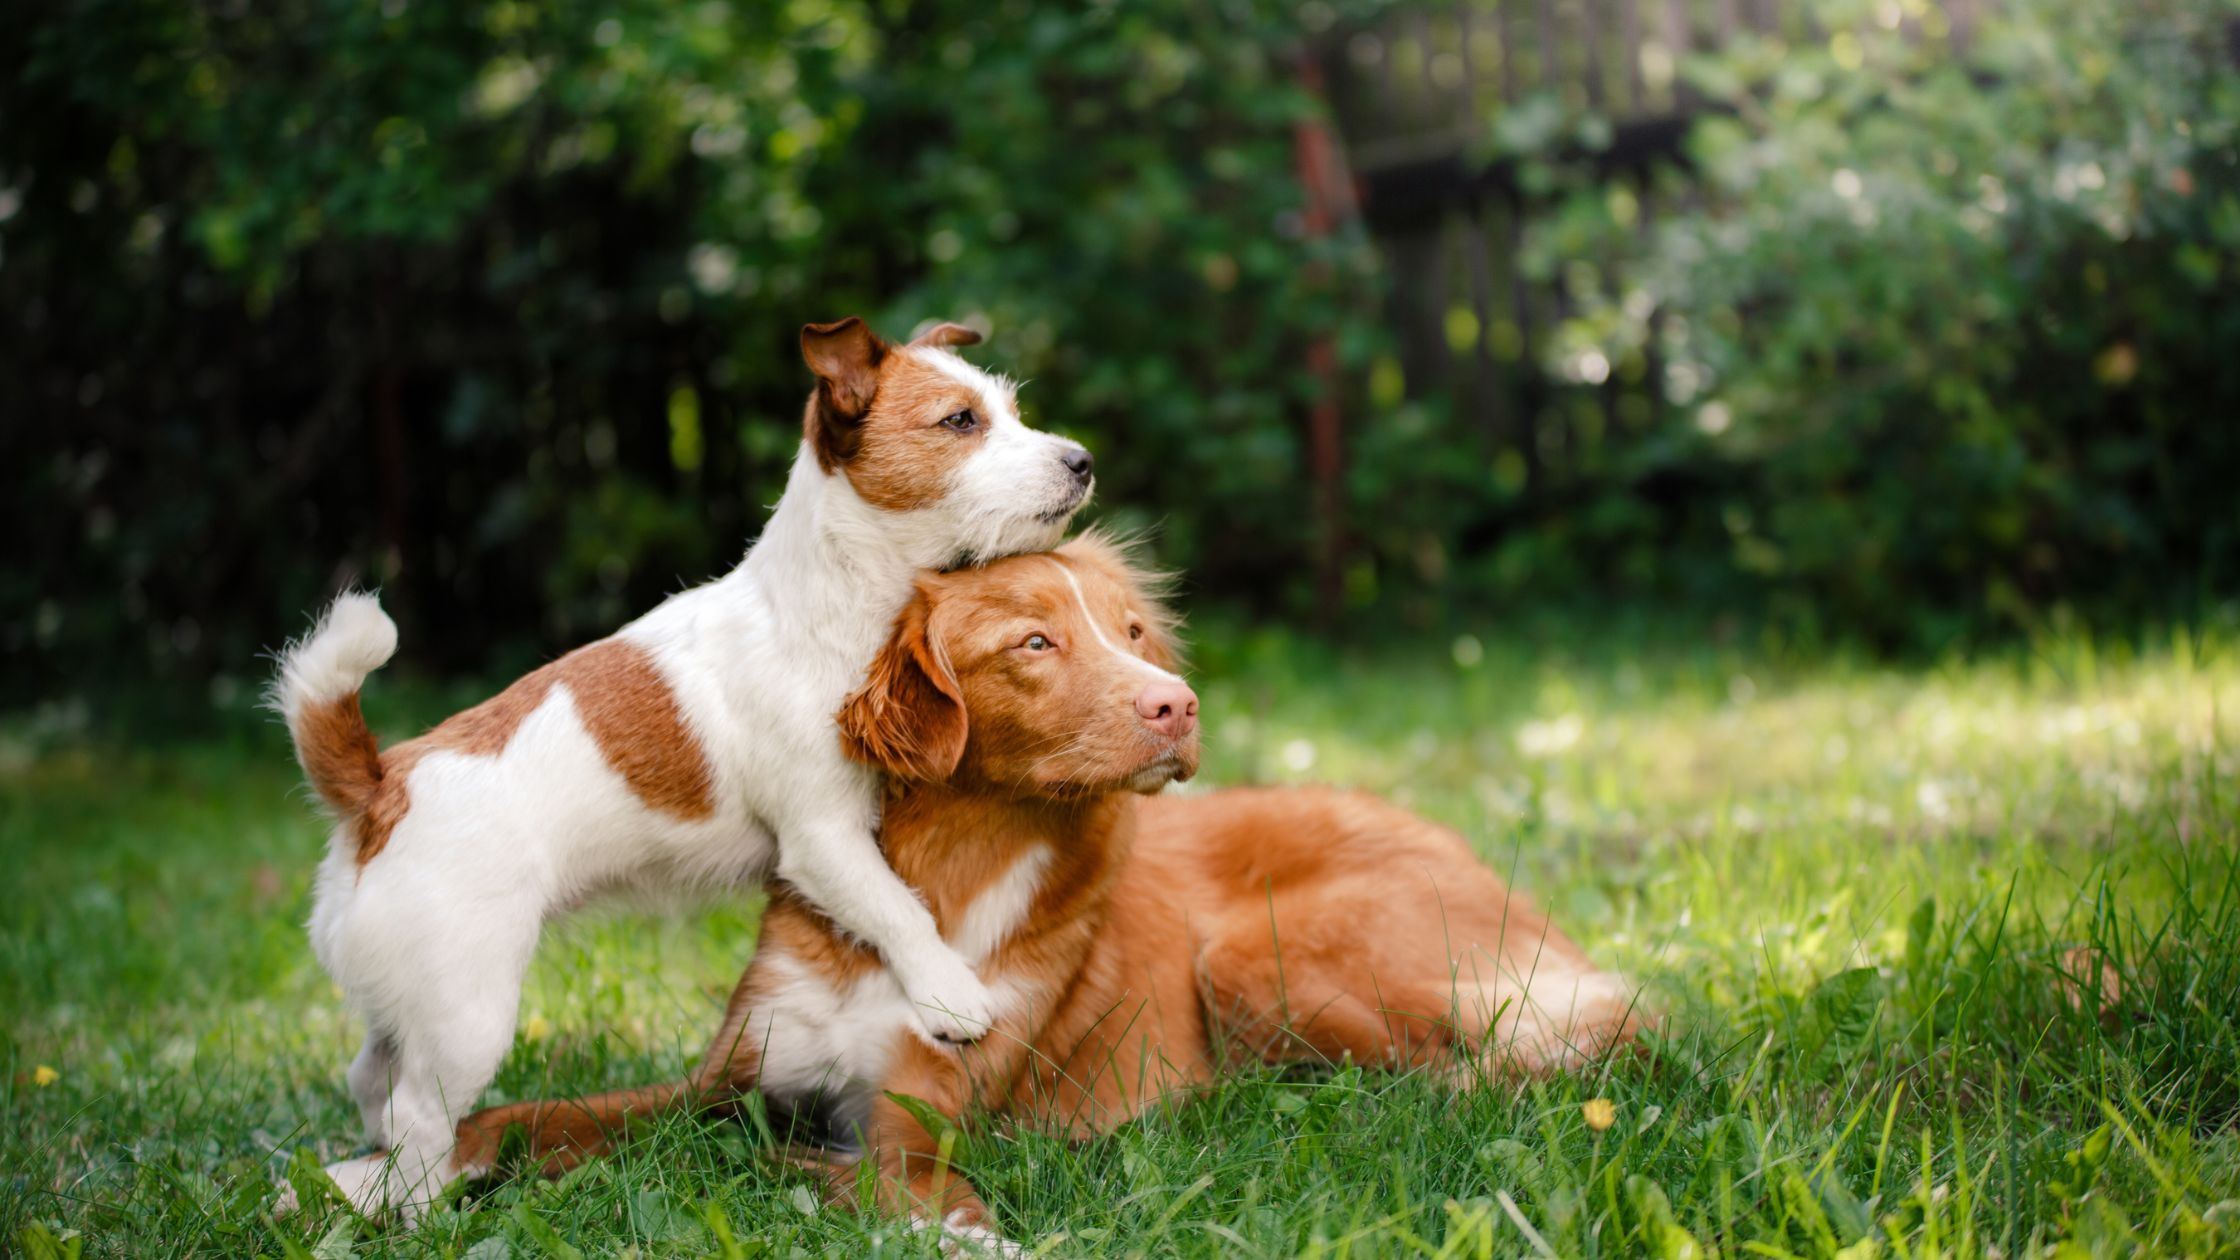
<point x="1037" y="643"/>
<point x="1135" y="632"/>
<point x="962" y="422"/>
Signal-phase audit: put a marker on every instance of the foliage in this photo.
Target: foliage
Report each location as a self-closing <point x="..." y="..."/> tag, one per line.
<point x="1947" y="340"/>
<point x="495" y="303"/>
<point x="1879" y="910"/>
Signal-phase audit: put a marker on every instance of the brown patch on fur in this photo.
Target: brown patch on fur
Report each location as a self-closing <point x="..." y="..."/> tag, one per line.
<point x="846" y="356"/>
<point x="904" y="456"/>
<point x="945" y="335"/>
<point x="876" y="413"/>
<point x="623" y="702"/>
<point x="629" y="709"/>
<point x="338" y="752"/>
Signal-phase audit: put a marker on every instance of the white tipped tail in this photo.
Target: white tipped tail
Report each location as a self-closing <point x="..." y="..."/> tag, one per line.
<point x="317" y="691"/>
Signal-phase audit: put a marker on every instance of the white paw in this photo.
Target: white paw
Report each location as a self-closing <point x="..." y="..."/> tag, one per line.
<point x="951" y="1003"/>
<point x="365" y="1181"/>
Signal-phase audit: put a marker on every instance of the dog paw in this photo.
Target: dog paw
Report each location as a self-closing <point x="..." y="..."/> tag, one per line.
<point x="953" y="1006"/>
<point x="364" y="1181"/>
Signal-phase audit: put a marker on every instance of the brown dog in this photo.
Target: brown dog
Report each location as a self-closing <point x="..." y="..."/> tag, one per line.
<point x="1136" y="945"/>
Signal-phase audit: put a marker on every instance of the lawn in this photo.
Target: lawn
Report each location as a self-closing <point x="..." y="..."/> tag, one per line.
<point x="1947" y="957"/>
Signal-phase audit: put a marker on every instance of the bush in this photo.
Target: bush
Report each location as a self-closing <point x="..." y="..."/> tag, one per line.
<point x="495" y="303"/>
<point x="1953" y="340"/>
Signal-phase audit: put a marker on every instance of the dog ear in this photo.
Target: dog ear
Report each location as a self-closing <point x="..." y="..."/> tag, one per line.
<point x="908" y="718"/>
<point x="946" y="335"/>
<point x="846" y="356"/>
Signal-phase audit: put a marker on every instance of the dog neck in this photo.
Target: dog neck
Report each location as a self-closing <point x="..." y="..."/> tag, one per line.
<point x="844" y="567"/>
<point x="953" y="842"/>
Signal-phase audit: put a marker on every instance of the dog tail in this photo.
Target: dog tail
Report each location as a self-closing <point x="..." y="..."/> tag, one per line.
<point x="565" y="1132"/>
<point x="317" y="692"/>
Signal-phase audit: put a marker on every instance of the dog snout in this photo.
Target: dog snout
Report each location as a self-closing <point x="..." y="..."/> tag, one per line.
<point x="1169" y="708"/>
<point x="1077" y="460"/>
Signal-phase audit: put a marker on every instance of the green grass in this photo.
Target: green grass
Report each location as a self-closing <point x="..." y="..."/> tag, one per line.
<point x="1853" y="891"/>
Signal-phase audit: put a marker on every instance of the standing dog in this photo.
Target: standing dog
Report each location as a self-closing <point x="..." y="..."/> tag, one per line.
<point x="695" y="748"/>
<point x="1140" y="944"/>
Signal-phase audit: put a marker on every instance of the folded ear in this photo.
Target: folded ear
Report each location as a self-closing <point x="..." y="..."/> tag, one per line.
<point x="846" y="356"/>
<point x="946" y="335"/>
<point x="908" y="718"/>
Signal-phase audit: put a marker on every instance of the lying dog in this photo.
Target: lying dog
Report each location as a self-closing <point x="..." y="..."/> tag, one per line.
<point x="1137" y="945"/>
<point x="695" y="748"/>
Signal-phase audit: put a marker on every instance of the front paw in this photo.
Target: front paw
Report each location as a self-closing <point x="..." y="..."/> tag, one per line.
<point x="953" y="1006"/>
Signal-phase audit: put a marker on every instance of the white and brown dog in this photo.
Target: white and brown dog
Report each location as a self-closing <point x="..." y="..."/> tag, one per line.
<point x="696" y="748"/>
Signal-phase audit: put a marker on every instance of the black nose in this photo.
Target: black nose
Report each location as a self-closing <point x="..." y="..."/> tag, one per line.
<point x="1079" y="460"/>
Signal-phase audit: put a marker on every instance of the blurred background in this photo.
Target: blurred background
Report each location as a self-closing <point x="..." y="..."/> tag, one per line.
<point x="1904" y="324"/>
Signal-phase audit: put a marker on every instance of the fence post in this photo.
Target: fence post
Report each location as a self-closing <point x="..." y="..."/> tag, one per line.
<point x="1328" y="194"/>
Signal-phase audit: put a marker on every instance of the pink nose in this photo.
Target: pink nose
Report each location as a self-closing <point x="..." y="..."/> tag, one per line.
<point x="1169" y="708"/>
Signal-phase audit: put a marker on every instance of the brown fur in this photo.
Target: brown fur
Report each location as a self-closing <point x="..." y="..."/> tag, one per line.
<point x="946" y="335"/>
<point x="1168" y="936"/>
<point x="907" y="716"/>
<point x="876" y="414"/>
<point x="619" y="694"/>
<point x="846" y="356"/>
<point x="340" y="758"/>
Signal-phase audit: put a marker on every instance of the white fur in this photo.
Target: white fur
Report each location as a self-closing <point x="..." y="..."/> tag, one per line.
<point x="429" y="939"/>
<point x="1000" y="908"/>
<point x="1098" y="630"/>
<point x="352" y="639"/>
<point x="1015" y="465"/>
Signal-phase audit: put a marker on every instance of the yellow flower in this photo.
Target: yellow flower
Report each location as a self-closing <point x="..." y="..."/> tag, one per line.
<point x="1600" y="1113"/>
<point x="537" y="1029"/>
<point x="43" y="1076"/>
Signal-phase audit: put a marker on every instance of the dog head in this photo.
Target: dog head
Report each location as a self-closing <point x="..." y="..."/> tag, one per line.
<point x="1043" y="675"/>
<point x="915" y="429"/>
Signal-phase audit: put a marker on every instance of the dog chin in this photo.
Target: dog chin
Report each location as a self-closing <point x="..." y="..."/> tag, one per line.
<point x="1151" y="778"/>
<point x="1074" y="502"/>
<point x="1016" y="537"/>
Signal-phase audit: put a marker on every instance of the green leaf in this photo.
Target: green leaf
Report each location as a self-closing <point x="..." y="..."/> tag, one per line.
<point x="41" y="1243"/>
<point x="1840" y="1015"/>
<point x="926" y="1114"/>
<point x="547" y="1239"/>
<point x="340" y="1243"/>
<point x="1921" y="926"/>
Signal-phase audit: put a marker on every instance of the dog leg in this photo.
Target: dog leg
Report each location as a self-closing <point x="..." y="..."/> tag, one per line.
<point x="453" y="994"/>
<point x="564" y="1133"/>
<point x="916" y="1178"/>
<point x="1281" y="1005"/>
<point x="371" y="1075"/>
<point x="841" y="872"/>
